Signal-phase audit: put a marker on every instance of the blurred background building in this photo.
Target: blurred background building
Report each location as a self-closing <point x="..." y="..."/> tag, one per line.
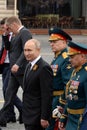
<point x="46" y="13"/>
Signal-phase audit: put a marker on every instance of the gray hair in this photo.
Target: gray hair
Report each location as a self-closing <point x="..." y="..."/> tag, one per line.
<point x="37" y="43"/>
<point x="13" y="19"/>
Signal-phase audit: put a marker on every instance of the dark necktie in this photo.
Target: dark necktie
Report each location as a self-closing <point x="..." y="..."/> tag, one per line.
<point x="28" y="69"/>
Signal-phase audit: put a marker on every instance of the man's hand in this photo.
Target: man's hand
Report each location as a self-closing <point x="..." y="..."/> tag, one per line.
<point x="44" y="123"/>
<point x="14" y="68"/>
<point x="60" y="109"/>
<point x="61" y="126"/>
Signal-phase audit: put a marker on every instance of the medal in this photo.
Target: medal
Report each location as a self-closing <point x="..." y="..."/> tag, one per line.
<point x="75" y="97"/>
<point x="70" y="96"/>
<point x="75" y="91"/>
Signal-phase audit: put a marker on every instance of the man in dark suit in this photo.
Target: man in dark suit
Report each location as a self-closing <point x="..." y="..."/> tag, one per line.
<point x="17" y="63"/>
<point x="37" y="89"/>
<point x="5" y="62"/>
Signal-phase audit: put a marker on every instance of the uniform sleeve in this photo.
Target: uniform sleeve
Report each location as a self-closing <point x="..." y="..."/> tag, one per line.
<point x="62" y="100"/>
<point x="85" y="90"/>
<point x="64" y="115"/>
<point x="66" y="71"/>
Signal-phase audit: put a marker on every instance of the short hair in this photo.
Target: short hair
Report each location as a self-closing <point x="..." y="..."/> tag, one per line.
<point x="13" y="19"/>
<point x="37" y="43"/>
<point x="3" y="21"/>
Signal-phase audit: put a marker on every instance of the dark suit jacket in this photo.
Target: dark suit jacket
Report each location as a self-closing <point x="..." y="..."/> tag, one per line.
<point x="37" y="94"/>
<point x="15" y="48"/>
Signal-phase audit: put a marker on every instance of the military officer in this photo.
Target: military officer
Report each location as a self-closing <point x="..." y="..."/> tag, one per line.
<point x="60" y="66"/>
<point x="76" y="89"/>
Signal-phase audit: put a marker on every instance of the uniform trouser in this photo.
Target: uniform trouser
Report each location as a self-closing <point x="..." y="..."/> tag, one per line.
<point x="14" y="83"/>
<point x="54" y="105"/>
<point x="73" y="122"/>
<point x="84" y="122"/>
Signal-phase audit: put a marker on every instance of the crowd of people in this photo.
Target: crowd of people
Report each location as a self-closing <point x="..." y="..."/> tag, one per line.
<point x="54" y="95"/>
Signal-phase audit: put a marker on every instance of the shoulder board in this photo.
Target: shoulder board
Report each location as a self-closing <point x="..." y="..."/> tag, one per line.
<point x="64" y="55"/>
<point x="86" y="68"/>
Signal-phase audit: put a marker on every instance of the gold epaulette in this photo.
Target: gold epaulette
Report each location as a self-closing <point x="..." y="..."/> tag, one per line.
<point x="86" y="68"/>
<point x="64" y="55"/>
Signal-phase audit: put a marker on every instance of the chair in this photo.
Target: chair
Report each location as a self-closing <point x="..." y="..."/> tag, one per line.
<point x="62" y="21"/>
<point x="70" y="22"/>
<point x="80" y="22"/>
<point x="54" y="21"/>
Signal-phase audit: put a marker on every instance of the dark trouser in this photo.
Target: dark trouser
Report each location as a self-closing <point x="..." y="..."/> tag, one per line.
<point x="14" y="83"/>
<point x="33" y="127"/>
<point x="84" y="122"/>
<point x="5" y="79"/>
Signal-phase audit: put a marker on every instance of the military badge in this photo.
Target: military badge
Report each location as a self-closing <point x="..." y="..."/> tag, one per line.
<point x="75" y="97"/>
<point x="68" y="66"/>
<point x="74" y="86"/>
<point x="75" y="83"/>
<point x="78" y="77"/>
<point x="54" y="68"/>
<point x="69" y="97"/>
<point x="73" y="90"/>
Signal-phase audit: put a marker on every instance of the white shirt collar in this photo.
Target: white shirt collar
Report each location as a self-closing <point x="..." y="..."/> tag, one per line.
<point x="34" y="61"/>
<point x="20" y="28"/>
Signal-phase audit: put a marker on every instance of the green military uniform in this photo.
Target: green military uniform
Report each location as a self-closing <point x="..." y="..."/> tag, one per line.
<point x="61" y="70"/>
<point x="61" y="67"/>
<point x="76" y="95"/>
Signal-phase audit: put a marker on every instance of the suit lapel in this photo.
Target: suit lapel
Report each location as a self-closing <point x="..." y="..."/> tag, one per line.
<point x="27" y="70"/>
<point x="30" y="73"/>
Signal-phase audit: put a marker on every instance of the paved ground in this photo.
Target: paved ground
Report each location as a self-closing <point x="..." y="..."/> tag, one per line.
<point x="47" y="55"/>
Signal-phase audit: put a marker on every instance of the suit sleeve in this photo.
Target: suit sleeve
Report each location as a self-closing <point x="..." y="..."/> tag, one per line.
<point x="25" y="36"/>
<point x="46" y="83"/>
